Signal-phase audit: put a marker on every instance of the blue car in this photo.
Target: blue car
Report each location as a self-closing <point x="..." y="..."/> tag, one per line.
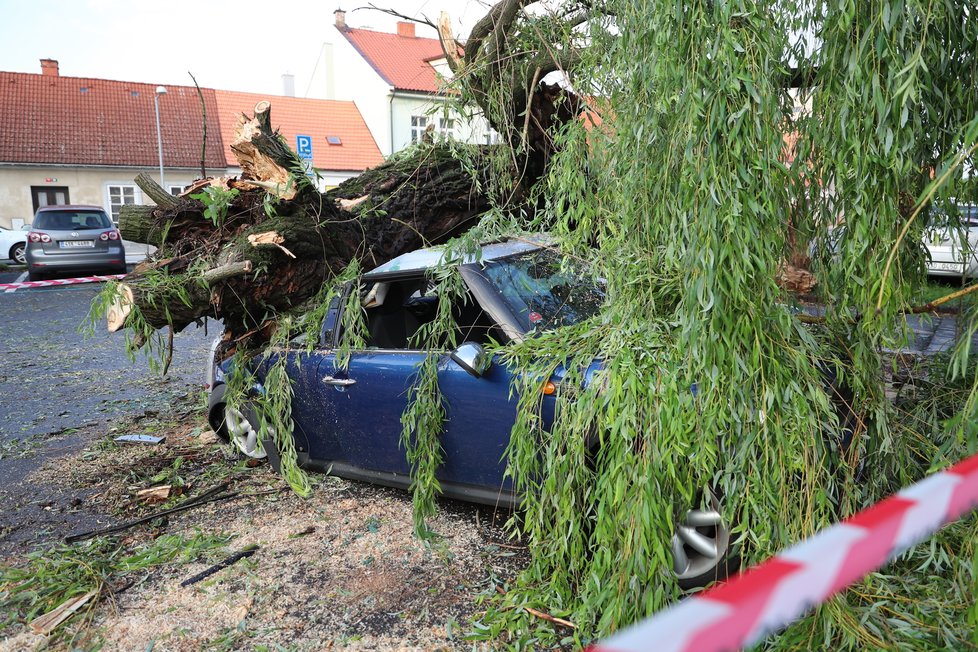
<point x="347" y="421"/>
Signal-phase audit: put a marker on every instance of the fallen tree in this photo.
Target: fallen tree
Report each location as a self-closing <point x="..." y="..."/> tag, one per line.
<point x="243" y="249"/>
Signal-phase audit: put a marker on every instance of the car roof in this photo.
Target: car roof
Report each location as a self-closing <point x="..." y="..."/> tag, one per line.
<point x="422" y="259"/>
<point x="70" y="207"/>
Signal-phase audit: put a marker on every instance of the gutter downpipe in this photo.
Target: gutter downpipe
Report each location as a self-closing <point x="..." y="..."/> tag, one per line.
<point x="391" y="120"/>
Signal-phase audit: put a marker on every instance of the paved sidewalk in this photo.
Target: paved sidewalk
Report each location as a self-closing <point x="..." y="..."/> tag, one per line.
<point x="137" y="252"/>
<point x="936" y="334"/>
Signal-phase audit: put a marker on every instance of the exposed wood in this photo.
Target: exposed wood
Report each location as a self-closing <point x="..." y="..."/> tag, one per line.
<point x="795" y="279"/>
<point x="448" y="43"/>
<point x="262" y="156"/>
<point x="120" y="309"/>
<point x="49" y="622"/>
<point x="350" y="204"/>
<point x="154" y="494"/>
<point x="269" y="238"/>
<point x="156" y="192"/>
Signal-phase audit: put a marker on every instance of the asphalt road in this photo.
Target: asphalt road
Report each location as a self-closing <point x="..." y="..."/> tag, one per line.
<point x="54" y="377"/>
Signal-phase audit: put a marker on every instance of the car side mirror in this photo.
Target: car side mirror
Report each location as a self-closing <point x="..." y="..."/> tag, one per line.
<point x="473" y="358"/>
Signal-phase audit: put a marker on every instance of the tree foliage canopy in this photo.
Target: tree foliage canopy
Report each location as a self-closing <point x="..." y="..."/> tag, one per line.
<point x="706" y="173"/>
<point x="674" y="159"/>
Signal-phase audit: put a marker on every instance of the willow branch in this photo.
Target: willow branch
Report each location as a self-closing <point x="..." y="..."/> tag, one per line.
<point x="920" y="206"/>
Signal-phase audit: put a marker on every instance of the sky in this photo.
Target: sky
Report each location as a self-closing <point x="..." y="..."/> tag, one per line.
<point x="240" y="45"/>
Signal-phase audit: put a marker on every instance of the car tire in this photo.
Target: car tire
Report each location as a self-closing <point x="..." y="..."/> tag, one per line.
<point x="18" y="253"/>
<point x="239" y="425"/>
<point x="216" y="417"/>
<point x="702" y="550"/>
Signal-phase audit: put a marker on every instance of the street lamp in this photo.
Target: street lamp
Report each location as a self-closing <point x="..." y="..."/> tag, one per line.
<point x="160" y="90"/>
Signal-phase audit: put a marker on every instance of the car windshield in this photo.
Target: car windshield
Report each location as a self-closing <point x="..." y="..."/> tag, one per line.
<point x="543" y="292"/>
<point x="72" y="220"/>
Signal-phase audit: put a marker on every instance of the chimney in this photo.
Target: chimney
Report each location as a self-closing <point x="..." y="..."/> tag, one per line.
<point x="288" y="85"/>
<point x="405" y="29"/>
<point x="340" y="16"/>
<point x="49" y="67"/>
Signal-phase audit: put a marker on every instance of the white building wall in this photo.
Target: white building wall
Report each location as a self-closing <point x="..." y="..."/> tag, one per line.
<point x="468" y="129"/>
<point x="386" y="112"/>
<point x="355" y="80"/>
<point x="85" y="185"/>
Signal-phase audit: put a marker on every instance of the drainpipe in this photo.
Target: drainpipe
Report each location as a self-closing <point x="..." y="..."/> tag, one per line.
<point x="391" y="114"/>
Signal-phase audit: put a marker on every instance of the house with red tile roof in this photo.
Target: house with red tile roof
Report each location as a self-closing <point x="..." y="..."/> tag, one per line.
<point x="83" y="141"/>
<point x="398" y="83"/>
<point x="332" y="131"/>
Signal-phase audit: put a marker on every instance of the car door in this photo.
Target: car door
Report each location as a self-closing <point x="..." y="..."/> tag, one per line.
<point x="363" y="403"/>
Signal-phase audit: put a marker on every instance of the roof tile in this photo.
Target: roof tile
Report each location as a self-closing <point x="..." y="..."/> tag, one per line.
<point x="318" y="119"/>
<point x="79" y="121"/>
<point x="402" y="61"/>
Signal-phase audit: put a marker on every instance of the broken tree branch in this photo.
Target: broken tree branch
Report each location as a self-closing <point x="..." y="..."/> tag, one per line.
<point x="210" y="496"/>
<point x="247" y="551"/>
<point x="155" y="191"/>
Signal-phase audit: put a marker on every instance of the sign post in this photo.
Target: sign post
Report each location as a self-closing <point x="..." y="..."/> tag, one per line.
<point x="303" y="147"/>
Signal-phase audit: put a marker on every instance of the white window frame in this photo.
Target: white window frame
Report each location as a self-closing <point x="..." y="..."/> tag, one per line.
<point x="113" y="208"/>
<point x="175" y="190"/>
<point x="419" y="123"/>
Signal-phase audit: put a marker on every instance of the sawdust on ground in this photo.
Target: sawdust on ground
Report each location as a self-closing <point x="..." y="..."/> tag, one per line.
<point x="339" y="570"/>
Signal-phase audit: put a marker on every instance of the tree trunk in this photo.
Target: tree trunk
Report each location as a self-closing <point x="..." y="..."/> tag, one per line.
<point x="280" y="239"/>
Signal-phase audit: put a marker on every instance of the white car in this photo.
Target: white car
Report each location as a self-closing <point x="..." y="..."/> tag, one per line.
<point x="13" y="244"/>
<point x="954" y="250"/>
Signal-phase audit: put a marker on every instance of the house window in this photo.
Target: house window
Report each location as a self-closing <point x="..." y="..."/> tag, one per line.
<point x="446" y="127"/>
<point x="176" y="190"/>
<point x="418" y="125"/>
<point x="120" y="196"/>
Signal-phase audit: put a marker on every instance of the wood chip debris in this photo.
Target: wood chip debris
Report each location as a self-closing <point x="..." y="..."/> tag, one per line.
<point x="154" y="494"/>
<point x="49" y="622"/>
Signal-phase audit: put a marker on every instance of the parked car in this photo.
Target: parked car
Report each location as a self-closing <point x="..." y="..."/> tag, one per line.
<point x="953" y="243"/>
<point x="347" y="420"/>
<point x="12" y="244"/>
<point x="75" y="239"/>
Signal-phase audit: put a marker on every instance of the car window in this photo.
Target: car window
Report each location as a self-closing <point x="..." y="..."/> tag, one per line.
<point x="72" y="220"/>
<point x="395" y="311"/>
<point x="542" y="291"/>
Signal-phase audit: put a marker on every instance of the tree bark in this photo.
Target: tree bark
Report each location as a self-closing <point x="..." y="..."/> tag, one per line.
<point x="280" y="237"/>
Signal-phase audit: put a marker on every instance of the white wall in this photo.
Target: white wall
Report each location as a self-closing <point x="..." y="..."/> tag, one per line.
<point x="386" y="112"/>
<point x="356" y="80"/>
<point x="85" y="185"/>
<point x="472" y="130"/>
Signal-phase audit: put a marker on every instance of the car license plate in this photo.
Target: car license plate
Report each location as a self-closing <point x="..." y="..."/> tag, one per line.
<point x="948" y="267"/>
<point x="76" y="244"/>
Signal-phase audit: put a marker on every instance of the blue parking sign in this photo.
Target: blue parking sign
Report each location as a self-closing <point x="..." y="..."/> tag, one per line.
<point x="303" y="147"/>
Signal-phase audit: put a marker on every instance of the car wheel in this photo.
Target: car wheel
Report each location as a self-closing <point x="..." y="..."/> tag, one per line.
<point x="18" y="253"/>
<point x="244" y="428"/>
<point x="701" y="551"/>
<point x="236" y="426"/>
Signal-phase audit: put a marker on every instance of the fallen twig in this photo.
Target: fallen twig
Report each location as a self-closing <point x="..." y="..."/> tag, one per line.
<point x="247" y="551"/>
<point x="206" y="497"/>
<point x="540" y="614"/>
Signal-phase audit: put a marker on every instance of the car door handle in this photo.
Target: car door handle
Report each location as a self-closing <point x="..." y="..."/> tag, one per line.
<point x="338" y="382"/>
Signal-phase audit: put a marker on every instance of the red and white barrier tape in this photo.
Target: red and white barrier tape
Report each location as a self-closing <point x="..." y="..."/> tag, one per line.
<point x="769" y="596"/>
<point x="59" y="281"/>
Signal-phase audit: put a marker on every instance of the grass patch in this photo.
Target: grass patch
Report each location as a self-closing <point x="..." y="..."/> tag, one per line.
<point x="938" y="287"/>
<point x="52" y="575"/>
